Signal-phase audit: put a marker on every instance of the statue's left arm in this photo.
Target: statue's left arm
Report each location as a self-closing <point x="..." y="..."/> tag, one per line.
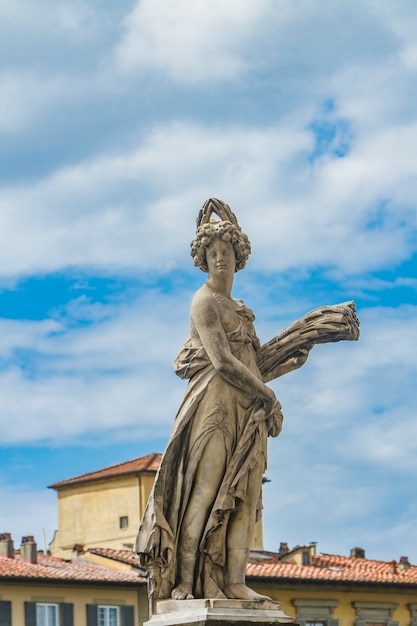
<point x="289" y="350"/>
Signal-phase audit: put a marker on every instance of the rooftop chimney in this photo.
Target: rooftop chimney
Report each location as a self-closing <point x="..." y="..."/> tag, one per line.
<point x="6" y="545"/>
<point x="357" y="553"/>
<point x="283" y="548"/>
<point x="404" y="563"/>
<point x="28" y="549"/>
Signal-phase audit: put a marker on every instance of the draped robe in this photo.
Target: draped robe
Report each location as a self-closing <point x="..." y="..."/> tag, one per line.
<point x="211" y="404"/>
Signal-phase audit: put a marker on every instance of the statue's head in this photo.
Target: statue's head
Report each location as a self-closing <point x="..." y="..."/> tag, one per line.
<point x="226" y="229"/>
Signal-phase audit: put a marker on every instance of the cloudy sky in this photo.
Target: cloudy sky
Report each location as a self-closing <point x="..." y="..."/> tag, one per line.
<point x="118" y="119"/>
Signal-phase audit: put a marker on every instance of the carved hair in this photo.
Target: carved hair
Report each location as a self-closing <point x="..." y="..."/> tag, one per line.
<point x="227" y="230"/>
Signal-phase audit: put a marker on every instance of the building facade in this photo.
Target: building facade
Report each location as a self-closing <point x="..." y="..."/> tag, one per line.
<point x="42" y="590"/>
<point x="91" y="576"/>
<point x="333" y="590"/>
<point x="103" y="508"/>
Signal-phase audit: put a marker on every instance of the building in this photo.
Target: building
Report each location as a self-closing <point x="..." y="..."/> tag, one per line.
<point x="93" y="571"/>
<point x="326" y="589"/>
<point x="332" y="590"/>
<point x="103" y="508"/>
<point x="43" y="590"/>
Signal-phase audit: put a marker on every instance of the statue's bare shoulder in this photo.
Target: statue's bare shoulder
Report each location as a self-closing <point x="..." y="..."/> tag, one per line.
<point x="212" y="309"/>
<point x="205" y="313"/>
<point x="203" y="297"/>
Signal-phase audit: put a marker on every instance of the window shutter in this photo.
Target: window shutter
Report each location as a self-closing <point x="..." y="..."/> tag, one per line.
<point x="128" y="615"/>
<point x="67" y="614"/>
<point x="30" y="613"/>
<point x="360" y="622"/>
<point x="92" y="615"/>
<point x="332" y="622"/>
<point x="301" y="622"/>
<point x="5" y="613"/>
<point x="389" y="623"/>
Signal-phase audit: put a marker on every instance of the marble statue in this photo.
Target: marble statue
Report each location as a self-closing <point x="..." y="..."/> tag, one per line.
<point x="196" y="532"/>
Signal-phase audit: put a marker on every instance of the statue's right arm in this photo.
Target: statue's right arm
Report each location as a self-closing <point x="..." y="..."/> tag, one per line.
<point x="206" y="322"/>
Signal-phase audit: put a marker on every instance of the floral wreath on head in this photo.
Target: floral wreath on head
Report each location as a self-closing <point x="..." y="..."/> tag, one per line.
<point x="227" y="229"/>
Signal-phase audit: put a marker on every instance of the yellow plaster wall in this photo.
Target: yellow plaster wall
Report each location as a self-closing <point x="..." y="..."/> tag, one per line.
<point x="296" y="556"/>
<point x="345" y="611"/>
<point x="102" y="561"/>
<point x="89" y="515"/>
<point x="79" y="596"/>
<point x="146" y="484"/>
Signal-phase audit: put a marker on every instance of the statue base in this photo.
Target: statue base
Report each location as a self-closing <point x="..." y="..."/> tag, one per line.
<point x="212" y="612"/>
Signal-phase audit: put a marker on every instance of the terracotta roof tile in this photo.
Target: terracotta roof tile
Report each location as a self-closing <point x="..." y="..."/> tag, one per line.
<point x="148" y="463"/>
<point x="123" y="556"/>
<point x="53" y="568"/>
<point x="325" y="567"/>
<point x="330" y="567"/>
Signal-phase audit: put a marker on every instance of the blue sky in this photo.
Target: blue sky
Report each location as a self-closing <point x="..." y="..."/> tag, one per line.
<point x="118" y="119"/>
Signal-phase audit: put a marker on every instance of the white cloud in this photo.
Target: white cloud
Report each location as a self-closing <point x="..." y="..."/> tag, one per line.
<point x="311" y="499"/>
<point x="349" y="413"/>
<point x="27" y="95"/>
<point x="351" y="386"/>
<point x="61" y="382"/>
<point x="106" y="376"/>
<point x="114" y="211"/>
<point x="33" y="30"/>
<point x="350" y="422"/>
<point x="346" y="460"/>
<point x="51" y="62"/>
<point x="191" y="41"/>
<point x="92" y="213"/>
<point x="199" y="42"/>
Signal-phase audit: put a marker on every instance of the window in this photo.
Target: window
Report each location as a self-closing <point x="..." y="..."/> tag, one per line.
<point x="46" y="614"/>
<point x="5" y="613"/>
<point x="108" y="616"/>
<point x="375" y="613"/>
<point x="49" y="614"/>
<point x="124" y="521"/>
<point x="413" y="613"/>
<point x="313" y="612"/>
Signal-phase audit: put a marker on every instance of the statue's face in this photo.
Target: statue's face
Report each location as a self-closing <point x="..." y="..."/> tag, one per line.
<point x="221" y="258"/>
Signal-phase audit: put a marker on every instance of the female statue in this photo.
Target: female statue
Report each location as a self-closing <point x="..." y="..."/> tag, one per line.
<point x="197" y="529"/>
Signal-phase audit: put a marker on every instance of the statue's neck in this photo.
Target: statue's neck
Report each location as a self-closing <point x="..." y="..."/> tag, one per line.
<point x="221" y="284"/>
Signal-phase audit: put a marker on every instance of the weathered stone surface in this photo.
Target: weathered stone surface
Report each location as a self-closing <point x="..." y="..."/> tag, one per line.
<point x="325" y="324"/>
<point x="218" y="612"/>
<point x="195" y="536"/>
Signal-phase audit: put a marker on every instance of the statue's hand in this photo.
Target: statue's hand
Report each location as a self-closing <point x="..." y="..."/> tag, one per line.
<point x="261" y="412"/>
<point x="274" y="421"/>
<point x="269" y="401"/>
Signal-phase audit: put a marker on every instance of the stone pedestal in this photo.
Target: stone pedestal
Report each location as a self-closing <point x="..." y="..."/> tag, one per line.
<point x="218" y="613"/>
